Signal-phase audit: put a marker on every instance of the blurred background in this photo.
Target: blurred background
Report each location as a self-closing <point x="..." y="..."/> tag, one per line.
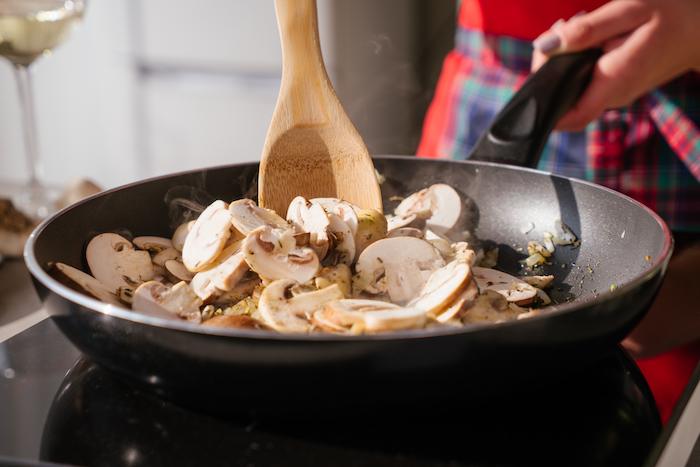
<point x="151" y="87"/>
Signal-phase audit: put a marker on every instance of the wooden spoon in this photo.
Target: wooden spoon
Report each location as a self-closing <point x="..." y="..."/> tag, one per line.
<point x="312" y="149"/>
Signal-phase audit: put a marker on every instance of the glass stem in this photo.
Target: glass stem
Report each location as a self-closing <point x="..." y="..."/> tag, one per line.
<point x="33" y="200"/>
<point x="26" y="101"/>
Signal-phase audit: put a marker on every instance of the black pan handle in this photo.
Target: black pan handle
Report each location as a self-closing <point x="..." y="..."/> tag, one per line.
<point x="519" y="132"/>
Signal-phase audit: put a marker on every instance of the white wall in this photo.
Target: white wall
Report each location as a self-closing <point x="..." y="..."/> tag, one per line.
<point x="150" y="87"/>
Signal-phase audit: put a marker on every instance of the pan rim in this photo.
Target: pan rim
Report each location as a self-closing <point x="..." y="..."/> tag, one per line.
<point x="657" y="265"/>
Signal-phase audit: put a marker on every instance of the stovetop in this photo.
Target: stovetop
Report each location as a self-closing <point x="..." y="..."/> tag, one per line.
<point x="58" y="406"/>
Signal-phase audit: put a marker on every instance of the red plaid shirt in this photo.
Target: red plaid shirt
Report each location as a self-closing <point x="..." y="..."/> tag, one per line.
<point x="649" y="150"/>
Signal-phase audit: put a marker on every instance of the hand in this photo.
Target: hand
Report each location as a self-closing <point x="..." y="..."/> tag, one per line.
<point x="645" y="43"/>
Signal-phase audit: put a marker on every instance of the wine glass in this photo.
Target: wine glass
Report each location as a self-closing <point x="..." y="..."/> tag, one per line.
<point x="30" y="29"/>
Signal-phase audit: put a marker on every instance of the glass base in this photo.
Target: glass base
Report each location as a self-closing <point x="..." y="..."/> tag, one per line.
<point x="34" y="202"/>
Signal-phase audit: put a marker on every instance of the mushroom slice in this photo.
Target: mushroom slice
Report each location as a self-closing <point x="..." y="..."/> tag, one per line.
<point x="248" y="216"/>
<point x="339" y="274"/>
<point x="438" y="241"/>
<point x="115" y="262"/>
<point x="157" y="299"/>
<point x="349" y="311"/>
<point x="540" y="282"/>
<point x="412" y="220"/>
<point x="491" y="307"/>
<point x="461" y="251"/>
<point x="442" y="288"/>
<point x="343" y="239"/>
<point x="208" y="236"/>
<point x="310" y="217"/>
<point x="400" y="257"/>
<point x="242" y="290"/>
<point x="373" y="315"/>
<point x="289" y="312"/>
<point x="406" y="232"/>
<point x="167" y="254"/>
<point x="513" y="289"/>
<point x="460" y="306"/>
<point x="153" y="244"/>
<point x="371" y="226"/>
<point x="180" y="235"/>
<point x="443" y="202"/>
<point x="403" y="278"/>
<point x="221" y="275"/>
<point x="175" y="271"/>
<point x="83" y="283"/>
<point x="237" y="322"/>
<point x="343" y="209"/>
<point x="274" y="254"/>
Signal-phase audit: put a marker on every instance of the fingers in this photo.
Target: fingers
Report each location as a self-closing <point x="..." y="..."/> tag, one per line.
<point x="621" y="75"/>
<point x="593" y="29"/>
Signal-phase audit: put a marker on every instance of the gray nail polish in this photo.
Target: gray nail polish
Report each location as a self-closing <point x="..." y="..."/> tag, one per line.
<point x="547" y="43"/>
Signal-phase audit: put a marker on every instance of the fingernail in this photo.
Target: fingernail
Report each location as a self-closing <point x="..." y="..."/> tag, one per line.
<point x="547" y="43"/>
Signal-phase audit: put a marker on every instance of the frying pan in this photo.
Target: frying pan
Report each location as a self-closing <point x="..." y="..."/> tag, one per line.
<point x="603" y="287"/>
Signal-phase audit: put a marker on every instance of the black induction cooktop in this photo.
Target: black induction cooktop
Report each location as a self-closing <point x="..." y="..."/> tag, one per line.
<point x="59" y="407"/>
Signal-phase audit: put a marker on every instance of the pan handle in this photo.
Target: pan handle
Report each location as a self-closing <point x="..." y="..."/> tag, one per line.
<point x="519" y="132"/>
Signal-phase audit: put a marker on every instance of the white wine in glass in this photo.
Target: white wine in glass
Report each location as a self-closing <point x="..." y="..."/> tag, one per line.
<point x="30" y="29"/>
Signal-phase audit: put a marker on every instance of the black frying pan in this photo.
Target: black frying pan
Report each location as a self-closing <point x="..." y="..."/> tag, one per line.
<point x="603" y="287"/>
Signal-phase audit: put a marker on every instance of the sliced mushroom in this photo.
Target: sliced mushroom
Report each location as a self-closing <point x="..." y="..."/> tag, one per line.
<point x="343" y="209"/>
<point x="513" y="289"/>
<point x="156" y="299"/>
<point x="403" y="278"/>
<point x="371" y="226"/>
<point x="153" y="244"/>
<point x="400" y="258"/>
<point x="343" y="240"/>
<point x="175" y="271"/>
<point x="248" y="216"/>
<point x="406" y="232"/>
<point x="413" y="221"/>
<point x="310" y="217"/>
<point x="439" y="242"/>
<point x="540" y="282"/>
<point x="208" y="236"/>
<point x="289" y="312"/>
<point x="274" y="254"/>
<point x="373" y="315"/>
<point x="442" y="288"/>
<point x="491" y="307"/>
<point x="180" y="235"/>
<point x="237" y="322"/>
<point x="242" y="290"/>
<point x="83" y="283"/>
<point x="221" y="275"/>
<point x="460" y="305"/>
<point x="115" y="262"/>
<point x="462" y="251"/>
<point x="442" y="201"/>
<point x="166" y="254"/>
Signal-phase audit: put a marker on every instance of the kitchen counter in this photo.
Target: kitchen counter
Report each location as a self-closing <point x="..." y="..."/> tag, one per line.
<point x="59" y="406"/>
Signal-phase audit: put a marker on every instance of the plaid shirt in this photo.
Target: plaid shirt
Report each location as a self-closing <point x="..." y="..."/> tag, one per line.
<point x="649" y="150"/>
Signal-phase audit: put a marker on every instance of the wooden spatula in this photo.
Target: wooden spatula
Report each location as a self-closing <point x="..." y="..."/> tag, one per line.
<point x="312" y="149"/>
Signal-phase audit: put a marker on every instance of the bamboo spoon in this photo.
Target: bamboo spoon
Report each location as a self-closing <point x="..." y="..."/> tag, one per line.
<point x="312" y="149"/>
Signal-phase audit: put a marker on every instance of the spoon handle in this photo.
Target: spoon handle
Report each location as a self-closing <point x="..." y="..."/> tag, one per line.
<point x="305" y="86"/>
